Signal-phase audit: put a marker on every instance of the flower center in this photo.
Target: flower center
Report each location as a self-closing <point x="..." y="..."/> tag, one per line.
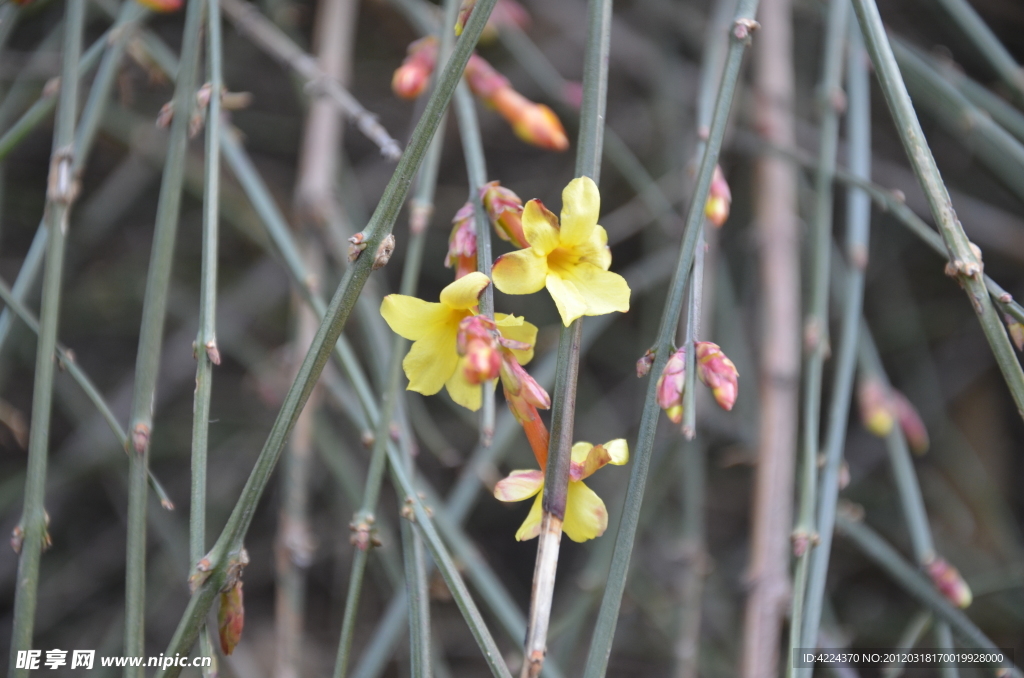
<point x="561" y="260"/>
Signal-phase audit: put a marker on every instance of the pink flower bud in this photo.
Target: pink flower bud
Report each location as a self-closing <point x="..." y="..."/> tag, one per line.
<point x="465" y="9"/>
<point x="716" y="209"/>
<point x="462" y="242"/>
<point x="231" y="617"/>
<point x="505" y="210"/>
<point x="519" y="383"/>
<point x="482" y="79"/>
<point x="411" y="78"/>
<point x="477" y="343"/>
<point x="643" y="366"/>
<point x="948" y="581"/>
<point x="718" y="373"/>
<point x="536" y="124"/>
<point x="670" y="386"/>
<point x="911" y="423"/>
<point x="162" y="6"/>
<point x="876" y="410"/>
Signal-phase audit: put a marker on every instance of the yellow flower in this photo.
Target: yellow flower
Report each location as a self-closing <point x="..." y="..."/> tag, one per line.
<point x="570" y="259"/>
<point x="585" y="514"/>
<point x="433" y="361"/>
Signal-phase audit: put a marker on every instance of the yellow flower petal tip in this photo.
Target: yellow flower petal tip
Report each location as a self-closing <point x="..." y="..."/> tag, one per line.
<point x="570" y="258"/>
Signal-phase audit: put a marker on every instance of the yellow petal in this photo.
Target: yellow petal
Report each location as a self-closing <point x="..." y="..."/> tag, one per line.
<point x="464" y="393"/>
<point x="531" y="526"/>
<point x="570" y="302"/>
<point x="603" y="291"/>
<point x="585" y="514"/>
<point x="540" y="226"/>
<point x="581" y="205"/>
<point x="520" y="272"/>
<point x="465" y="292"/>
<point x="595" y="250"/>
<point x="618" y="450"/>
<point x="517" y="329"/>
<point x="519" y="485"/>
<point x="432" y="360"/>
<point x="410" y="317"/>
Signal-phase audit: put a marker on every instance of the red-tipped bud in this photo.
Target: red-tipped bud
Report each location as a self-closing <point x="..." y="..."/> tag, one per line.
<point x="462" y="242"/>
<point x="876" y="410"/>
<point x="670" y="386"/>
<point x="718" y="373"/>
<point x="477" y="343"/>
<point x="505" y="210"/>
<point x="519" y="384"/>
<point x="643" y="366"/>
<point x="536" y="124"/>
<point x="1016" y="332"/>
<point x="411" y="78"/>
<point x="483" y="80"/>
<point x="911" y="423"/>
<point x="948" y="581"/>
<point x="716" y="209"/>
<point x="161" y="6"/>
<point x="231" y="617"/>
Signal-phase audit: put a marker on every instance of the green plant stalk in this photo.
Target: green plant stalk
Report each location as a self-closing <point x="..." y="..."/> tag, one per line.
<point x="8" y="19"/>
<point x="1002" y="112"/>
<point x="914" y="583"/>
<point x="997" y="149"/>
<point x="151" y="338"/>
<point x="32" y="530"/>
<point x="205" y="349"/>
<point x="986" y="42"/>
<point x="963" y="262"/>
<point x="563" y="410"/>
<point x="379" y="227"/>
<point x="604" y="631"/>
<point x="858" y="227"/>
<point x="67" y="362"/>
<point x="17" y="96"/>
<point x="916" y="628"/>
<point x="816" y="336"/>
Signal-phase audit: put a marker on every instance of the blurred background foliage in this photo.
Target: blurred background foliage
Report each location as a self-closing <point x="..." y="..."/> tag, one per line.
<point x="929" y="340"/>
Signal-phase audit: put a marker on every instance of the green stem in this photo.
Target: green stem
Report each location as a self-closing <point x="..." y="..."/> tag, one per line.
<point x="964" y="262"/>
<point x="151" y="333"/>
<point x="381" y="223"/>
<point x="604" y="631"/>
<point x="816" y="337"/>
<point x="32" y="529"/>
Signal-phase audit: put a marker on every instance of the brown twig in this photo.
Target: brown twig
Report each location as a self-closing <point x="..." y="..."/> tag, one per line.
<point x="777" y="229"/>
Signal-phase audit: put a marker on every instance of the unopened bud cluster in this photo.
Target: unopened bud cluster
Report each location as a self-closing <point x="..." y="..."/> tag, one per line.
<point x="714" y="369"/>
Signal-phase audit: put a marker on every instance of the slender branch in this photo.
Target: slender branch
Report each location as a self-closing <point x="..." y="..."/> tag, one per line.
<point x="268" y="37"/>
<point x="965" y="263"/>
<point x="32" y="535"/>
<point x="816" y="336"/>
<point x="604" y="631"/>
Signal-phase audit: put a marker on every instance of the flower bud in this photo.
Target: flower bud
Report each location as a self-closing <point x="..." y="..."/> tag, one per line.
<point x="911" y="423"/>
<point x="536" y="124"/>
<point x="948" y="581"/>
<point x="505" y="13"/>
<point x="505" y="210"/>
<point x="462" y="242"/>
<point x="716" y="209"/>
<point x="875" y="407"/>
<point x="162" y="6"/>
<point x="477" y="344"/>
<point x="231" y="617"/>
<point x="465" y="9"/>
<point x="483" y="80"/>
<point x="718" y="373"/>
<point x="643" y="366"/>
<point x="670" y="386"/>
<point x="411" y="78"/>
<point x="517" y="382"/>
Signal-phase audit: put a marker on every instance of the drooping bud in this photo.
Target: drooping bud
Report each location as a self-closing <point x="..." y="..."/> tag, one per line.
<point x="462" y="242"/>
<point x="483" y="80"/>
<point x="162" y="6"/>
<point x="1016" y="332"/>
<point x="670" y="386"/>
<point x="948" y="581"/>
<point x="718" y="373"/>
<point x="411" y="78"/>
<point x="911" y="423"/>
<point x="536" y="124"/>
<point x="231" y="617"/>
<point x="643" y="366"/>
<point x="477" y="344"/>
<point x="518" y="382"/>
<point x="505" y="210"/>
<point x="875" y="407"/>
<point x="716" y="209"/>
